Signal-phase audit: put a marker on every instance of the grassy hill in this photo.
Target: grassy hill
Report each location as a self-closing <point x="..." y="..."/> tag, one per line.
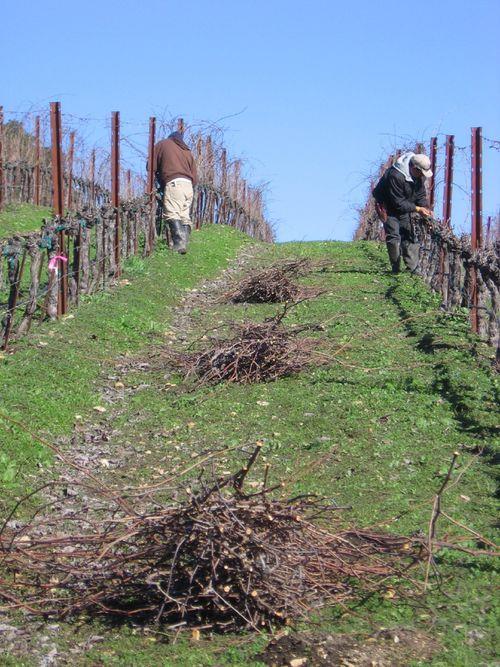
<point x="21" y="218"/>
<point x="403" y="387"/>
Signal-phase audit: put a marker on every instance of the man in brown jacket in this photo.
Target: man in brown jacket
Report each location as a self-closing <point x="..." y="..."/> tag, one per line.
<point x="175" y="170"/>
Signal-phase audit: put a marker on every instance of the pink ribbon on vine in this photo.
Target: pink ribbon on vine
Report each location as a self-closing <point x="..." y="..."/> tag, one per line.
<point x="53" y="262"/>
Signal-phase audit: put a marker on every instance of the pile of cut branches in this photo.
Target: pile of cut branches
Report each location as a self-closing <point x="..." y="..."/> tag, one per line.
<point x="258" y="352"/>
<point x="273" y="285"/>
<point x="220" y="559"/>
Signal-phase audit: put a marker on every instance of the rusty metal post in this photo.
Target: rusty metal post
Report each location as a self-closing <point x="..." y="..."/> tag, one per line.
<point x="223" y="186"/>
<point x="448" y="179"/>
<point x="199" y="162"/>
<point x="476" y="187"/>
<point x="92" y="178"/>
<point x="1" y="158"/>
<point x="236" y="186"/>
<point x="71" y="153"/>
<point x="36" y="194"/>
<point x="476" y="214"/>
<point x="115" y="182"/>
<point x="150" y="184"/>
<point x="432" y="184"/>
<point x="57" y="201"/>
<point x="57" y="175"/>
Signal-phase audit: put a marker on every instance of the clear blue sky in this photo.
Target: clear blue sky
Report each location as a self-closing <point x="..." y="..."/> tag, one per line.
<point x="323" y="87"/>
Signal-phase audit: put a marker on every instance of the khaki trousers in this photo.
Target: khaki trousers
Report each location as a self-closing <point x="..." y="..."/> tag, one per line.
<point x="177" y="200"/>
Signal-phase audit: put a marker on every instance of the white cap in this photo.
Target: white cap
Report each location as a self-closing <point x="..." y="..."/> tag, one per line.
<point x="422" y="162"/>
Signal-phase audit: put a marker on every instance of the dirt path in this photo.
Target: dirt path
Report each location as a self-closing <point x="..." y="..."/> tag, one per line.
<point x="96" y="447"/>
<point x="372" y="429"/>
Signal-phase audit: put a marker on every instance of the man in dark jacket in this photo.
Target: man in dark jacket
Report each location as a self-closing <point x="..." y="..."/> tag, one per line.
<point x="399" y="193"/>
<point x="175" y="171"/>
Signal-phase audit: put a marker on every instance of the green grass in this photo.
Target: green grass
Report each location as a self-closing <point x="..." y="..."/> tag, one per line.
<point x="374" y="428"/>
<point x="21" y="218"/>
<point x="55" y="372"/>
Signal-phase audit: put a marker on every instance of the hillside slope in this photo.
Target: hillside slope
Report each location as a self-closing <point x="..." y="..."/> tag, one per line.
<point x="403" y="386"/>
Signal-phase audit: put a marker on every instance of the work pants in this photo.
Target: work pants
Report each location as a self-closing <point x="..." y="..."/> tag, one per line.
<point x="177" y="200"/>
<point x="401" y="241"/>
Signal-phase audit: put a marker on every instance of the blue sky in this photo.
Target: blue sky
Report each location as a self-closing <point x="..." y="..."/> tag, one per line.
<point x="314" y="93"/>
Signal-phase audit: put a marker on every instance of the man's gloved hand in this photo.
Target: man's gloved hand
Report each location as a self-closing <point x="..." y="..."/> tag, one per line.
<point x="423" y="211"/>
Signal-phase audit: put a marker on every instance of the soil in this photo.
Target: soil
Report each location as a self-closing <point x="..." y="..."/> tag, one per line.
<point x="394" y="648"/>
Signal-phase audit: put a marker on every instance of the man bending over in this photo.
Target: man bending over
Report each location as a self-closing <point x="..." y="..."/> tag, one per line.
<point x="399" y="193"/>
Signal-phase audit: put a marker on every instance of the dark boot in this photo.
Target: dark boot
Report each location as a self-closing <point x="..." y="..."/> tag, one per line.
<point x="176" y="232"/>
<point x="394" y="250"/>
<point x="184" y="232"/>
<point x="187" y="232"/>
<point x="396" y="266"/>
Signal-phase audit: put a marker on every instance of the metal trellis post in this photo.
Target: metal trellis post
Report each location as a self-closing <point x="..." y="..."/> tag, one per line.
<point x="115" y="182"/>
<point x="432" y="184"/>
<point x="92" y="179"/>
<point x="36" y="197"/>
<point x="448" y="180"/>
<point x="476" y="214"/>
<point x="150" y="185"/>
<point x="71" y="153"/>
<point x="57" y="201"/>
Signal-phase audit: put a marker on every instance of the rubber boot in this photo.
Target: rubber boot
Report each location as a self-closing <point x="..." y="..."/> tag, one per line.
<point x="176" y="232"/>
<point x="394" y="256"/>
<point x="396" y="266"/>
<point x="187" y="232"/>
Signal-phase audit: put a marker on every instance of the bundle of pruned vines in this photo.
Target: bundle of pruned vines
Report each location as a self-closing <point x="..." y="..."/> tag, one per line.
<point x="272" y="285"/>
<point x="256" y="352"/>
<point x="222" y="558"/>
